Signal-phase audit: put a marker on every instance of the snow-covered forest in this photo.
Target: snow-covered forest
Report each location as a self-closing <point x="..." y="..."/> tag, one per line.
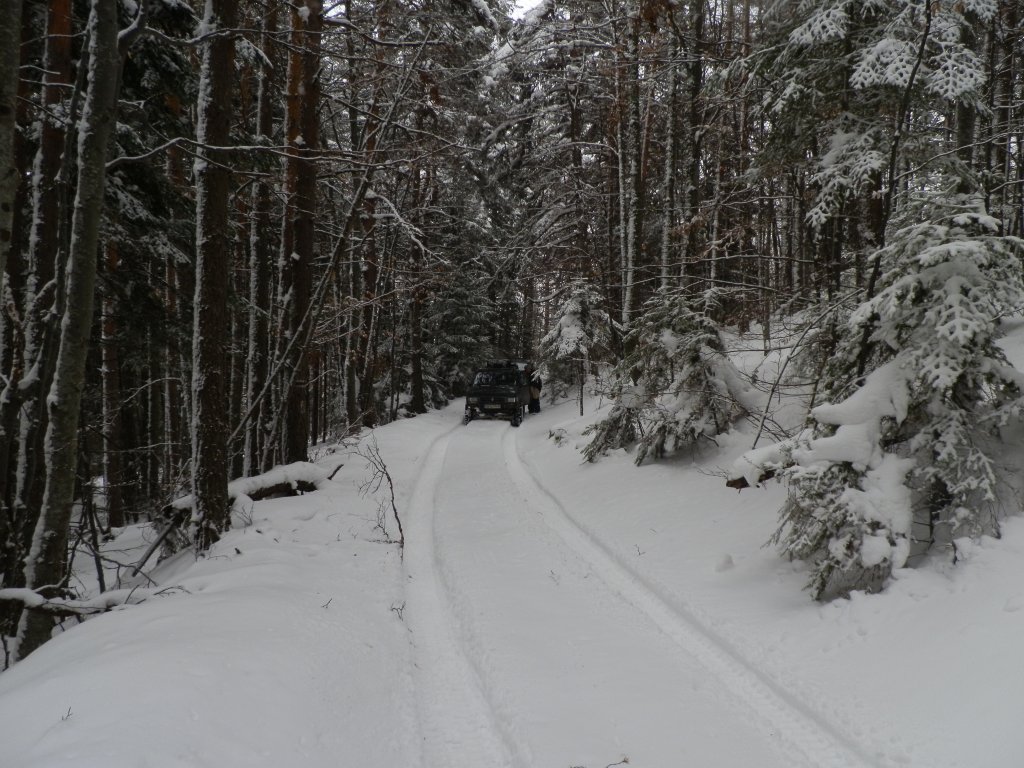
<point x="234" y="230"/>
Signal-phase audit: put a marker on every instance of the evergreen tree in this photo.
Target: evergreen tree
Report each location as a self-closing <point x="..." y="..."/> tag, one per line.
<point x="676" y="383"/>
<point x="906" y="458"/>
<point x="582" y="332"/>
<point x="459" y="329"/>
<point x="211" y="324"/>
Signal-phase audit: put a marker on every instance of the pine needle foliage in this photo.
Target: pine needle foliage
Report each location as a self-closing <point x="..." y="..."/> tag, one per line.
<point x="581" y="333"/>
<point x="459" y="327"/>
<point x="904" y="459"/>
<point x="675" y="385"/>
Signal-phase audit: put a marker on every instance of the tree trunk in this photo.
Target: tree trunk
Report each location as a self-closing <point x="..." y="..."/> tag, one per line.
<point x="10" y="48"/>
<point x="417" y="400"/>
<point x="174" y="363"/>
<point x="669" y="180"/>
<point x="367" y="348"/>
<point x="630" y="167"/>
<point x="212" y="322"/>
<point x="259" y="272"/>
<point x="696" y="129"/>
<point x="298" y="239"/>
<point x="46" y="563"/>
<point x="417" y="395"/>
<point x="111" y="402"/>
<point x="48" y="243"/>
<point x="23" y="408"/>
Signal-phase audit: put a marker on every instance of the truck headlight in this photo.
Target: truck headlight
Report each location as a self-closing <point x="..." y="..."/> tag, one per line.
<point x="511" y="399"/>
<point x="472" y="400"/>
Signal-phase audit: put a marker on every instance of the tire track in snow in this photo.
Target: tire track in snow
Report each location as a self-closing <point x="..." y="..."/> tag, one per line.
<point x="457" y="723"/>
<point x="821" y="745"/>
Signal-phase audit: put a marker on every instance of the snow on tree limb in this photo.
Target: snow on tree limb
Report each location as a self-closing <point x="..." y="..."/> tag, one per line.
<point x="60" y="606"/>
<point x="285" y="480"/>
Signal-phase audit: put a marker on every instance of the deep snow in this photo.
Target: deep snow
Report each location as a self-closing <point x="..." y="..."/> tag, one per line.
<point x="548" y="612"/>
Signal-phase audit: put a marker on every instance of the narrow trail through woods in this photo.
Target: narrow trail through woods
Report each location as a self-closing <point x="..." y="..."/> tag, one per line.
<point x="504" y="589"/>
<point x="457" y="727"/>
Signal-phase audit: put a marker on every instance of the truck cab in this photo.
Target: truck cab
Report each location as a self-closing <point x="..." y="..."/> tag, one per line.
<point x="499" y="389"/>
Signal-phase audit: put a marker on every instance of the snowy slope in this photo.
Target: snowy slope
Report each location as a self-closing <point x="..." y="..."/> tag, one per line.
<point x="547" y="612"/>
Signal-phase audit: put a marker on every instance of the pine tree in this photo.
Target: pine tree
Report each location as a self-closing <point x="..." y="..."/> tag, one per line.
<point x="581" y="333"/>
<point x="676" y="384"/>
<point x="906" y="459"/>
<point x="298" y="236"/>
<point x="881" y="98"/>
<point x="211" y="325"/>
<point x="459" y="329"/>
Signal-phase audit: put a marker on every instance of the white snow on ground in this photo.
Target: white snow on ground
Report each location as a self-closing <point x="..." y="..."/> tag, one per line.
<point x="547" y="613"/>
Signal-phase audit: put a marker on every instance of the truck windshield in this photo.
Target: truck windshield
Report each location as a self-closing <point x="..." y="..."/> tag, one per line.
<point x="495" y="378"/>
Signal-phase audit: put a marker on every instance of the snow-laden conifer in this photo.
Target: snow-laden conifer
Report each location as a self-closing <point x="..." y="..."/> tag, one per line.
<point x="906" y="457"/>
<point x="459" y="332"/>
<point x="676" y="384"/>
<point x="852" y="87"/>
<point x="581" y="331"/>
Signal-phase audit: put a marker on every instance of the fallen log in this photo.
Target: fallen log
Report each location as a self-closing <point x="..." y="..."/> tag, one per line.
<point x="286" y="480"/>
<point x="741" y="482"/>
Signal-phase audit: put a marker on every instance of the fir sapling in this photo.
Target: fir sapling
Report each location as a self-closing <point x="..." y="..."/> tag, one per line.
<point x="675" y="385"/>
<point x="903" y="459"/>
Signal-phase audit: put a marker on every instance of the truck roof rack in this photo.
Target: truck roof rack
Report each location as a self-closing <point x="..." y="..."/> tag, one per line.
<point x="510" y="362"/>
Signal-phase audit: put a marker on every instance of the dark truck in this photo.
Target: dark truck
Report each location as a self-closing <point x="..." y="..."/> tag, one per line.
<point x="499" y="389"/>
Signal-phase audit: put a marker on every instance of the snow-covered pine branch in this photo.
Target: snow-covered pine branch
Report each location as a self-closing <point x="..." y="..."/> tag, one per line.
<point x="907" y="460"/>
<point x="676" y="384"/>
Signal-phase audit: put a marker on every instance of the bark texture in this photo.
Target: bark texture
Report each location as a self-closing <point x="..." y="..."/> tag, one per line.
<point x="298" y="241"/>
<point x="10" y="45"/>
<point x="212" y="321"/>
<point x="46" y="562"/>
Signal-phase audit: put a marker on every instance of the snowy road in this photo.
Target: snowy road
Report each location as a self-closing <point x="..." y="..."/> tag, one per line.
<point x="548" y="613"/>
<point x="535" y="647"/>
